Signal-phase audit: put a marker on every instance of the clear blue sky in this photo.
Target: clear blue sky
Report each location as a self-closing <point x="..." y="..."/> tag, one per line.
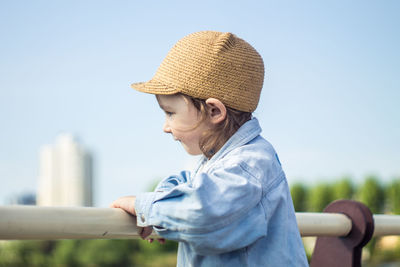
<point x="330" y="103"/>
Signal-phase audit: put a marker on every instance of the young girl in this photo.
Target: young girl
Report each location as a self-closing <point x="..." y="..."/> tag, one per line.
<point x="235" y="208"/>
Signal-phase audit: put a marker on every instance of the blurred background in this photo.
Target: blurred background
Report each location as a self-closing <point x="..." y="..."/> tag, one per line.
<point x="72" y="132"/>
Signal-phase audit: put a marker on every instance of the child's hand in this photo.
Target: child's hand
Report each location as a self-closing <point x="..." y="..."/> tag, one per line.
<point x="128" y="204"/>
<point x="125" y="203"/>
<point x="146" y="231"/>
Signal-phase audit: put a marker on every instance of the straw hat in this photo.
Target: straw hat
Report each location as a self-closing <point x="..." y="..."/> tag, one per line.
<point x="210" y="64"/>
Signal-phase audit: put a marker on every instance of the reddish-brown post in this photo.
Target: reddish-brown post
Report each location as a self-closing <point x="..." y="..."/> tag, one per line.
<point x="345" y="251"/>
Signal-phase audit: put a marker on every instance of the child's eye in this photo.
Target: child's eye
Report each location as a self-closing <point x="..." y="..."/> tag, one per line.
<point x="169" y="114"/>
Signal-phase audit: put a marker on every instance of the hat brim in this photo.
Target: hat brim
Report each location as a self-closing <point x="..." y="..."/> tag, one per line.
<point x="154" y="87"/>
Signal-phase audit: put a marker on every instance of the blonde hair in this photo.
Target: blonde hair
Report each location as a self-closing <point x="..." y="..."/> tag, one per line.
<point x="213" y="139"/>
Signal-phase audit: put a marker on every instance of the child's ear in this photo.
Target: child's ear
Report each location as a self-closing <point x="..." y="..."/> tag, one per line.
<point x="216" y="110"/>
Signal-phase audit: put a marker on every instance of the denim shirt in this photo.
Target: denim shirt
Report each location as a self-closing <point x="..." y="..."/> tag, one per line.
<point x="233" y="210"/>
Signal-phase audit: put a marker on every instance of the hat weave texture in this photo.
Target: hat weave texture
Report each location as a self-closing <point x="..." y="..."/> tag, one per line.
<point x="210" y="64"/>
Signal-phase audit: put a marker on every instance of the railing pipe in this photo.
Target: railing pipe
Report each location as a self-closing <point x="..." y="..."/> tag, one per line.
<point x="386" y="225"/>
<point x="326" y="224"/>
<point x="44" y="223"/>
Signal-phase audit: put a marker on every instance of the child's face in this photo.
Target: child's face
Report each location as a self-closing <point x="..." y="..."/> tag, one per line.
<point x="183" y="121"/>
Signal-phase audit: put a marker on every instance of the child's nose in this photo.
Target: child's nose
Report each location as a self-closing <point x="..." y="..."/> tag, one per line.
<point x="166" y="128"/>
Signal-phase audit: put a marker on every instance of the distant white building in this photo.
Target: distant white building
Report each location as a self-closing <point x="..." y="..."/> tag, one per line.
<point x="65" y="174"/>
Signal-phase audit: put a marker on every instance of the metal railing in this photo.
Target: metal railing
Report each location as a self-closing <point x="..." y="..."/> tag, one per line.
<point x="45" y="223"/>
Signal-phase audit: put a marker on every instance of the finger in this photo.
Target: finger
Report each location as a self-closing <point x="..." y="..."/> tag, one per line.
<point x="146" y="232"/>
<point x="140" y="231"/>
<point x="114" y="204"/>
<point x="143" y="234"/>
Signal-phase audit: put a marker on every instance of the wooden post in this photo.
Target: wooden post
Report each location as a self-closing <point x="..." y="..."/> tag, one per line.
<point x="345" y="251"/>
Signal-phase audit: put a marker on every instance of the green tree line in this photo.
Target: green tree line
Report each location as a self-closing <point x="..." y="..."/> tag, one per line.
<point x="379" y="197"/>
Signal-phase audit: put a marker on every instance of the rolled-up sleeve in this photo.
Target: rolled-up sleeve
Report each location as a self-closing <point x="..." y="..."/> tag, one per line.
<point x="144" y="201"/>
<point x="221" y="211"/>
